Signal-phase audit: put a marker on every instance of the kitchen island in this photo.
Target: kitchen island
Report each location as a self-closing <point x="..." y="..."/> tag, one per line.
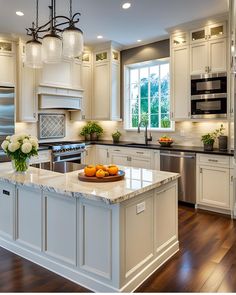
<point x="108" y="237"/>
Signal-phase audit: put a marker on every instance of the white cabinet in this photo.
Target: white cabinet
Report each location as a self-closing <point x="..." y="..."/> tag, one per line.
<point x="43" y="156"/>
<point x="60" y="228"/>
<point x="89" y="155"/>
<point x="214" y="31"/>
<point x="87" y="83"/>
<point x="7" y="193"/>
<point x="208" y="50"/>
<point x="26" y="90"/>
<point x="102" y="155"/>
<point x="213" y="183"/>
<point x="140" y="158"/>
<point x="76" y="75"/>
<point x="180" y="83"/>
<point x="28" y="208"/>
<point x="7" y="63"/>
<point x="106" y="85"/>
<point x="59" y="74"/>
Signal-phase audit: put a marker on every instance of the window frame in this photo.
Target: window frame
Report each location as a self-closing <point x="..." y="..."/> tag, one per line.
<point x="126" y="94"/>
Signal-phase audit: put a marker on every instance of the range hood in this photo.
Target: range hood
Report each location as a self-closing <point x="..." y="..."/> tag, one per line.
<point x="54" y="97"/>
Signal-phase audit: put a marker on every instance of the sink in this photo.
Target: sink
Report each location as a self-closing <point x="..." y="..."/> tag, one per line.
<point x="137" y="144"/>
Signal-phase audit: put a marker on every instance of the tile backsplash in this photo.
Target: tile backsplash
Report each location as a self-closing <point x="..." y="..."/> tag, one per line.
<point x="185" y="133"/>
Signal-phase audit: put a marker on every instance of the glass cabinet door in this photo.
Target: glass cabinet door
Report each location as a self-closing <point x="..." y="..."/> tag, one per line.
<point x="198" y="35"/>
<point x="217" y="31"/>
<point x="179" y="39"/>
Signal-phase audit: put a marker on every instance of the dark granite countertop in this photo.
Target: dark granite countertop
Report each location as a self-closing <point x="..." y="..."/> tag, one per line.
<point x="179" y="148"/>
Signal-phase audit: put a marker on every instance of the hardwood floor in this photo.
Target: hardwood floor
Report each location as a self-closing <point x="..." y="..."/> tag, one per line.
<point x="206" y="262"/>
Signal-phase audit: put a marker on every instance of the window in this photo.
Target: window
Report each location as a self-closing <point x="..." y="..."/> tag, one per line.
<point x="148" y="95"/>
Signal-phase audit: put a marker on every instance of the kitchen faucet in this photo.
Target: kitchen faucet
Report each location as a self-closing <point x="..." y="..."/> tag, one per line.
<point x="147" y="139"/>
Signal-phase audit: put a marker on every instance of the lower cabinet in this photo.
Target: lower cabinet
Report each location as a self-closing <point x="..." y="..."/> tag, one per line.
<point x="29" y="208"/>
<point x="89" y="155"/>
<point x="213" y="183"/>
<point x="7" y="194"/>
<point x="60" y="227"/>
<point x="102" y="155"/>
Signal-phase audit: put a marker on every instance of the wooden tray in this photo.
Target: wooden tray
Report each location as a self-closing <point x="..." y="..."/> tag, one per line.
<point x="119" y="176"/>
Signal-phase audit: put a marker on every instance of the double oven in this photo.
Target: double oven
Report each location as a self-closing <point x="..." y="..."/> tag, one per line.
<point x="209" y="96"/>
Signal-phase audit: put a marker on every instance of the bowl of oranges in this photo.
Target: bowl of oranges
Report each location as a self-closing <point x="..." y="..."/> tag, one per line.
<point x="165" y="141"/>
<point x="101" y="173"/>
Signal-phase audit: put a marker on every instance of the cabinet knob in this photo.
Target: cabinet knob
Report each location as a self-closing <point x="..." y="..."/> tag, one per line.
<point x="7" y="193"/>
<point x="200" y="170"/>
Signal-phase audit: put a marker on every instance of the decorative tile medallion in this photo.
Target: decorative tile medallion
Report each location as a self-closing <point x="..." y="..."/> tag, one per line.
<point x="51" y="126"/>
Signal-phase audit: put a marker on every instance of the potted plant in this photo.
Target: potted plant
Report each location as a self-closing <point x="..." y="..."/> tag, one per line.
<point x="95" y="130"/>
<point x="209" y="138"/>
<point x="116" y="136"/>
<point x="20" y="148"/>
<point x="85" y="132"/>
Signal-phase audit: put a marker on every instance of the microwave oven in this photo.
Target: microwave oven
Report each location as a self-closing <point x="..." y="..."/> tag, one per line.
<point x="209" y="106"/>
<point x="209" y="84"/>
<point x="209" y="96"/>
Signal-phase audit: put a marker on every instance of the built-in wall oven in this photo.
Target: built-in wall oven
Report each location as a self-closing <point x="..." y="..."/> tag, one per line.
<point x="209" y="96"/>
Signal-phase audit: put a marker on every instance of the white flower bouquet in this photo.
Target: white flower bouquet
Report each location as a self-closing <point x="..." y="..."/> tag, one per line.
<point x="20" y="147"/>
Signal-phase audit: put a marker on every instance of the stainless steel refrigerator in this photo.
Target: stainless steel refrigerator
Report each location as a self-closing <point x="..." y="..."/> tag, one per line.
<point x="7" y="115"/>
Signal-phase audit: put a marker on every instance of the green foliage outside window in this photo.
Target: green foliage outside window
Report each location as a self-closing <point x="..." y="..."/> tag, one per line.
<point x="150" y="95"/>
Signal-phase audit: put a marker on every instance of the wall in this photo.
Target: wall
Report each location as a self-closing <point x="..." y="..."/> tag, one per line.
<point x="156" y="50"/>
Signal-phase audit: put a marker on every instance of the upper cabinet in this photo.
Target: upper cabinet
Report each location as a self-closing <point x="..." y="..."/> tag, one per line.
<point x="87" y="83"/>
<point x="210" y="32"/>
<point x="106" y="85"/>
<point x="8" y="63"/>
<point x="26" y="90"/>
<point x="180" y="77"/>
<point x="208" y="49"/>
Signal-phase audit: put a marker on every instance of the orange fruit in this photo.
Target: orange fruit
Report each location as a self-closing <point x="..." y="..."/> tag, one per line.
<point x="113" y="169"/>
<point x="90" y="170"/>
<point x="100" y="173"/>
<point x="106" y="173"/>
<point x="100" y="166"/>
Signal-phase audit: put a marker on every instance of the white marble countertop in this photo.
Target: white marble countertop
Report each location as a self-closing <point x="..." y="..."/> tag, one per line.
<point x="136" y="181"/>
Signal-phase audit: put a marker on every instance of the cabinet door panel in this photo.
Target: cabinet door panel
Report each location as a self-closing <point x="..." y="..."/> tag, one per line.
<point x="87" y="87"/>
<point x="119" y="160"/>
<point x="101" y="103"/>
<point x="7" y="73"/>
<point x="217" y="55"/>
<point x="141" y="163"/>
<point x="102" y="155"/>
<point x="6" y="210"/>
<point x="28" y="99"/>
<point x="198" y="58"/>
<point x="57" y="74"/>
<point x="214" y="186"/>
<point x="180" y="82"/>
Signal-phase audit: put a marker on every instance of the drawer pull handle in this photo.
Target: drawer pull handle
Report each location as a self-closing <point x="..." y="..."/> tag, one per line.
<point x="140" y="153"/>
<point x="212" y="160"/>
<point x="116" y="150"/>
<point x="7" y="193"/>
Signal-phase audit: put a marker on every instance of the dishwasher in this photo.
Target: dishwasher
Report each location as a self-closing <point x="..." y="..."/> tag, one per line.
<point x="183" y="163"/>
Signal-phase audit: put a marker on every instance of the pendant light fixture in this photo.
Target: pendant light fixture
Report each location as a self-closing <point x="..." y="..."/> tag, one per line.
<point x="33" y="48"/>
<point x="73" y="41"/>
<point x="53" y="45"/>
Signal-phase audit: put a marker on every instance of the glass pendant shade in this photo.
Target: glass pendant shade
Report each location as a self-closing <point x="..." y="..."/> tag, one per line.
<point x="73" y="42"/>
<point x="33" y="54"/>
<point x="52" y="48"/>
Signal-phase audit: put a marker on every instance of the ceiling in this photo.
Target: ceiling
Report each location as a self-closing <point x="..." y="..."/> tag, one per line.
<point x="146" y="19"/>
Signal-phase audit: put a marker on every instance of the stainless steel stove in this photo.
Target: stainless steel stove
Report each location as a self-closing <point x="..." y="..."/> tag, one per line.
<point x="66" y="156"/>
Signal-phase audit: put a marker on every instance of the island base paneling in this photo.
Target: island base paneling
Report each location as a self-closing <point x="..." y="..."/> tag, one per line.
<point x="104" y="247"/>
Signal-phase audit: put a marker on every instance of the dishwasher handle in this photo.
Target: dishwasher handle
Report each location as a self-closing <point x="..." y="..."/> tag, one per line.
<point x="178" y="156"/>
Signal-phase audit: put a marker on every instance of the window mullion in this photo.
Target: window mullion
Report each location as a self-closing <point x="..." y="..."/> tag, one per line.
<point x="139" y="96"/>
<point x="159" y="107"/>
<point x="149" y="99"/>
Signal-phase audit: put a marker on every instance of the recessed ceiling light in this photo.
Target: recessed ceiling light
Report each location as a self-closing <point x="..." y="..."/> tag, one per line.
<point x="100" y="37"/>
<point x="126" y="5"/>
<point x="19" y="13"/>
<point x="139" y="40"/>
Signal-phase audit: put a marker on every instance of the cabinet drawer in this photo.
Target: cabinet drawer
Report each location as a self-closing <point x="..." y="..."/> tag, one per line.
<point x="43" y="156"/>
<point x="132" y="152"/>
<point x="213" y="160"/>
